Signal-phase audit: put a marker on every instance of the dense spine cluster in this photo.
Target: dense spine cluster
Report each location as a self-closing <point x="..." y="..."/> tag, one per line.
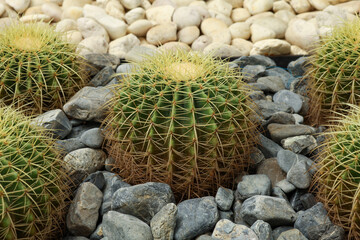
<point x="182" y="119"/>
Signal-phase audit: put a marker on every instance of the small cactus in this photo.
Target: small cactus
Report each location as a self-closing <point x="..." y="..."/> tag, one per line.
<point x="38" y="68"/>
<point x="183" y="119"/>
<point x="337" y="180"/>
<point x="33" y="186"/>
<point x="334" y="72"/>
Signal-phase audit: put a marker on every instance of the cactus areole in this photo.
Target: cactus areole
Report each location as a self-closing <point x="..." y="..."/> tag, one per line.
<point x="183" y="119"/>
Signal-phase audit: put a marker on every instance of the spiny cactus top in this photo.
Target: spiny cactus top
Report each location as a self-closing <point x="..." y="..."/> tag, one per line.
<point x="37" y="67"/>
<point x="32" y="185"/>
<point x="335" y="72"/>
<point x="338" y="177"/>
<point x="181" y="118"/>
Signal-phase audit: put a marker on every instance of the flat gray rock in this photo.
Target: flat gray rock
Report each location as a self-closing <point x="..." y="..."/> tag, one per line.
<point x="251" y="185"/>
<point x="299" y="175"/>
<point x="289" y="98"/>
<point x="103" y="77"/>
<point x="285" y="186"/>
<point x="195" y="217"/>
<point x="282" y="118"/>
<point x="66" y="146"/>
<point x="267" y="108"/>
<point x="292" y="234"/>
<point x="122" y="226"/>
<point x="226" y="229"/>
<point x="163" y="223"/>
<point x="275" y="211"/>
<point x="92" y="138"/>
<point x="142" y="201"/>
<point x="86" y="159"/>
<point x="84" y="210"/>
<point x="89" y="104"/>
<point x="273" y="83"/>
<point x="268" y="147"/>
<point x="224" y="198"/>
<point x="286" y="159"/>
<point x="282" y="131"/>
<point x="55" y="121"/>
<point x="303" y="144"/>
<point x="251" y="73"/>
<point x="262" y="230"/>
<point x="255" y="60"/>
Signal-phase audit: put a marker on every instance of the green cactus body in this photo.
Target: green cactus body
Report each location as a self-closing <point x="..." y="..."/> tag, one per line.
<point x="38" y="68"/>
<point x="182" y="119"/>
<point x="32" y="185"/>
<point x="335" y="72"/>
<point x="338" y="176"/>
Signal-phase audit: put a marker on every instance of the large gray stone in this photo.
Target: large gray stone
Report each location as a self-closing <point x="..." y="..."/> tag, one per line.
<point x="251" y="185"/>
<point x="286" y="159"/>
<point x="258" y="208"/>
<point x="84" y="211"/>
<point x="299" y="175"/>
<point x="224" y="198"/>
<point x="303" y="144"/>
<point x="292" y="234"/>
<point x="251" y="73"/>
<point x="195" y="217"/>
<point x="103" y="77"/>
<point x="122" y="226"/>
<point x="97" y="61"/>
<point x="85" y="159"/>
<point x="285" y="186"/>
<point x="226" y="229"/>
<point x="68" y="145"/>
<point x="285" y="76"/>
<point x="282" y="131"/>
<point x="93" y="138"/>
<point x="89" y="104"/>
<point x="298" y="67"/>
<point x="163" y="223"/>
<point x="289" y="98"/>
<point x="262" y="230"/>
<point x="273" y="83"/>
<point x="267" y="108"/>
<point x="268" y="147"/>
<point x="55" y="121"/>
<point x="255" y="60"/>
<point x="142" y="201"/>
<point x="310" y="219"/>
<point x="282" y="118"/>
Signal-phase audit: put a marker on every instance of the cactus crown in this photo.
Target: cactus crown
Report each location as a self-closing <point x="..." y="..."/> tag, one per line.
<point x="334" y="72"/>
<point x="338" y="176"/>
<point x="181" y="118"/>
<point x="32" y="185"/>
<point x="37" y="67"/>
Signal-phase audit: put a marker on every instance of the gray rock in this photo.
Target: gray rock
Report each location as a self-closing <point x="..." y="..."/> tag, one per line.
<point x="267" y="109"/>
<point x="122" y="226"/>
<point x="298" y="175"/>
<point x="77" y="131"/>
<point x="292" y="234"/>
<point x="270" y="168"/>
<point x="237" y="216"/>
<point x="226" y="229"/>
<point x="251" y="73"/>
<point x="98" y="233"/>
<point x="68" y="145"/>
<point x="97" y="61"/>
<point x="262" y="230"/>
<point x="277" y="231"/>
<point x="268" y="147"/>
<point x="285" y="76"/>
<point x="112" y="183"/>
<point x="229" y="215"/>
<point x="257" y="208"/>
<point x="309" y="221"/>
<point x="299" y="86"/>
<point x="142" y="201"/>
<point x="84" y="211"/>
<point x="85" y="159"/>
<point x="282" y="118"/>
<point x="298" y="118"/>
<point x="289" y="98"/>
<point x="333" y="232"/>
<point x="204" y="237"/>
<point x="285" y="186"/>
<point x="308" y="200"/>
<point x="277" y="192"/>
<point x="273" y="83"/>
<point x="224" y="198"/>
<point x="282" y="131"/>
<point x="251" y="185"/>
<point x="259" y="87"/>
<point x="298" y="67"/>
<point x="93" y="138"/>
<point x="303" y="144"/>
<point x="55" y="121"/>
<point x="295" y="199"/>
<point x="103" y="77"/>
<point x="286" y="159"/>
<point x="257" y="95"/>
<point x="89" y="104"/>
<point x="124" y="69"/>
<point x="255" y="60"/>
<point x="96" y="178"/>
<point x="257" y="157"/>
<point x="195" y="217"/>
<point x="163" y="223"/>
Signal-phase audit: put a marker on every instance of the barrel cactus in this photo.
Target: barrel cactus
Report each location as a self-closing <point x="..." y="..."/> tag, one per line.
<point x="183" y="119"/>
<point x="38" y="68"/>
<point x="338" y="176"/>
<point x="33" y="187"/>
<point x="335" y="72"/>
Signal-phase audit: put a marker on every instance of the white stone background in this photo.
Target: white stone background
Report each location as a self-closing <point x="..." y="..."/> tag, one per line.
<point x="223" y="27"/>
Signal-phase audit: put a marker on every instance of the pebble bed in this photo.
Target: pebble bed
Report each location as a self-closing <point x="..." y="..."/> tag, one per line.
<point x="222" y="27"/>
<point x="271" y="202"/>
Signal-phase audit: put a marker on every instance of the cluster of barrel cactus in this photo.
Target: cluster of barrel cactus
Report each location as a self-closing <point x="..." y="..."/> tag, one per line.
<point x="33" y="187"/>
<point x="38" y="68"/>
<point x="183" y="119"/>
